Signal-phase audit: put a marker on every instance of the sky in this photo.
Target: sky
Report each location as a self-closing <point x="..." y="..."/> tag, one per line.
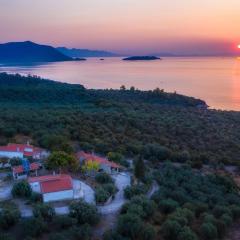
<point x="125" y="26"/>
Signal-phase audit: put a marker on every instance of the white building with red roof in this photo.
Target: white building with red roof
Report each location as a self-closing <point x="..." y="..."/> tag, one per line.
<point x="104" y="164"/>
<point x="13" y="150"/>
<point x="20" y="173"/>
<point x="53" y="187"/>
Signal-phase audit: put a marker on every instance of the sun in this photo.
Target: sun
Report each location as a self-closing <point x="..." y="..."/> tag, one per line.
<point x="238" y="46"/>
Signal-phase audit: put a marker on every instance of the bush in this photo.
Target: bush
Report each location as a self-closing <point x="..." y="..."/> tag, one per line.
<point x="9" y="217"/>
<point x="130" y="225"/>
<point x="208" y="231"/>
<point x="226" y="219"/>
<point x="235" y="210"/>
<point x="34" y="227"/>
<point x="44" y="211"/>
<point x="187" y="234"/>
<point x="84" y="232"/>
<point x="167" y="206"/>
<point x="36" y="197"/>
<point x="110" y="188"/>
<point x="103" y="178"/>
<point x="131" y="191"/>
<point x="22" y="189"/>
<point x="170" y="229"/>
<point x="4" y="236"/>
<point x="148" y="232"/>
<point x="64" y="222"/>
<point x="101" y="195"/>
<point x="84" y="212"/>
<point x="58" y="236"/>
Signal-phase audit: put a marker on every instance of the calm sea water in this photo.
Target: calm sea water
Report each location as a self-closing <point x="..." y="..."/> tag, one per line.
<point x="215" y="80"/>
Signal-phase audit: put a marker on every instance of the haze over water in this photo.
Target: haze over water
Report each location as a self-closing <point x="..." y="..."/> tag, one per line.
<point x="215" y="80"/>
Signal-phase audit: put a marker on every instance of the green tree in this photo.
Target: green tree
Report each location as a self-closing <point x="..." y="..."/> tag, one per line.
<point x="139" y="168"/>
<point x="21" y="189"/>
<point x="84" y="212"/>
<point x="61" y="160"/>
<point x="44" y="211"/>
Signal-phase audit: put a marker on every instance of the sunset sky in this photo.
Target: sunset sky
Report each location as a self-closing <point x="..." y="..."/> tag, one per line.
<point x="125" y="26"/>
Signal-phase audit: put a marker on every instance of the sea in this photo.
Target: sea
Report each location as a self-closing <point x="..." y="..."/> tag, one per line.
<point x="216" y="80"/>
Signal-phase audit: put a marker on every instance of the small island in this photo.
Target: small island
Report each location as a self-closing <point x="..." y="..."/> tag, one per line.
<point x="141" y="58"/>
<point x="79" y="59"/>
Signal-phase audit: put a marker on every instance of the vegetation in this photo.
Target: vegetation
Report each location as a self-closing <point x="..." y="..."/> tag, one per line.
<point x="195" y="206"/>
<point x="61" y="160"/>
<point x="106" y="187"/>
<point x="156" y="124"/>
<point x="84" y="213"/>
<point x="46" y="225"/>
<point x="22" y="189"/>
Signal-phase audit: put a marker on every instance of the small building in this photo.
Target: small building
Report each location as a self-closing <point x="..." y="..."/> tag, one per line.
<point x="21" y="172"/>
<point x="53" y="187"/>
<point x="104" y="164"/>
<point x="13" y="150"/>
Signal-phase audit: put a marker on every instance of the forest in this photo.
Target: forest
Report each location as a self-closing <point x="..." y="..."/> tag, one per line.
<point x="158" y="125"/>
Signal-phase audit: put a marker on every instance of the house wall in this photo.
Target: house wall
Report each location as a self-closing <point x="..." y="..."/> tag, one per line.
<point x="11" y="154"/>
<point x="58" y="196"/>
<point x="105" y="168"/>
<point x="35" y="187"/>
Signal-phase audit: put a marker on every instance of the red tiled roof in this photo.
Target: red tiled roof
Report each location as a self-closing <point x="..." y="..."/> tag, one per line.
<point x="19" y="169"/>
<point x="100" y="160"/>
<point x="53" y="183"/>
<point x="26" y="149"/>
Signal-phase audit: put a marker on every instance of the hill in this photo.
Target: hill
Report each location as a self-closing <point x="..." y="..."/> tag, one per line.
<point x="160" y="126"/>
<point x="19" y="52"/>
<point x="82" y="53"/>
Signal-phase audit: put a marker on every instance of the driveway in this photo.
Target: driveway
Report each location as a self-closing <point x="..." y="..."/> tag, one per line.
<point x="122" y="180"/>
<point x="5" y="191"/>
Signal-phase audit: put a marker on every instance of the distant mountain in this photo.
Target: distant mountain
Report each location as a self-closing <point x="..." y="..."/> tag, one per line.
<point x="19" y="52"/>
<point x="82" y="53"/>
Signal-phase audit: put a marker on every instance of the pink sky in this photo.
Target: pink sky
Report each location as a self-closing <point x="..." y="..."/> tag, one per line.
<point x="125" y="26"/>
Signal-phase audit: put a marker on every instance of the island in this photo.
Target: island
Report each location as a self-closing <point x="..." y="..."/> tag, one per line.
<point x="141" y="58"/>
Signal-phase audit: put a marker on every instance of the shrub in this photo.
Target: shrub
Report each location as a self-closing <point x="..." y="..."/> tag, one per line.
<point x="226" y="219"/>
<point x="110" y="188"/>
<point x="147" y="205"/>
<point x="58" y="236"/>
<point x="103" y="178"/>
<point x="84" y="212"/>
<point x="113" y="235"/>
<point x="170" y="229"/>
<point x="84" y="232"/>
<point x="101" y="195"/>
<point x="187" y="234"/>
<point x="22" y="189"/>
<point x="148" y="232"/>
<point x="34" y="227"/>
<point x="130" y="225"/>
<point x="167" y="206"/>
<point x="44" y="211"/>
<point x="5" y="236"/>
<point x="208" y="231"/>
<point x="9" y="217"/>
<point x="64" y="222"/>
<point x="36" y="197"/>
<point x="218" y="211"/>
<point x="235" y="210"/>
<point x="131" y="191"/>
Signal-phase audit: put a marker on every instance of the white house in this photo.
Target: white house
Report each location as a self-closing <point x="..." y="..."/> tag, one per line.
<point x="53" y="187"/>
<point x="19" y="172"/>
<point x="104" y="164"/>
<point x="13" y="150"/>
